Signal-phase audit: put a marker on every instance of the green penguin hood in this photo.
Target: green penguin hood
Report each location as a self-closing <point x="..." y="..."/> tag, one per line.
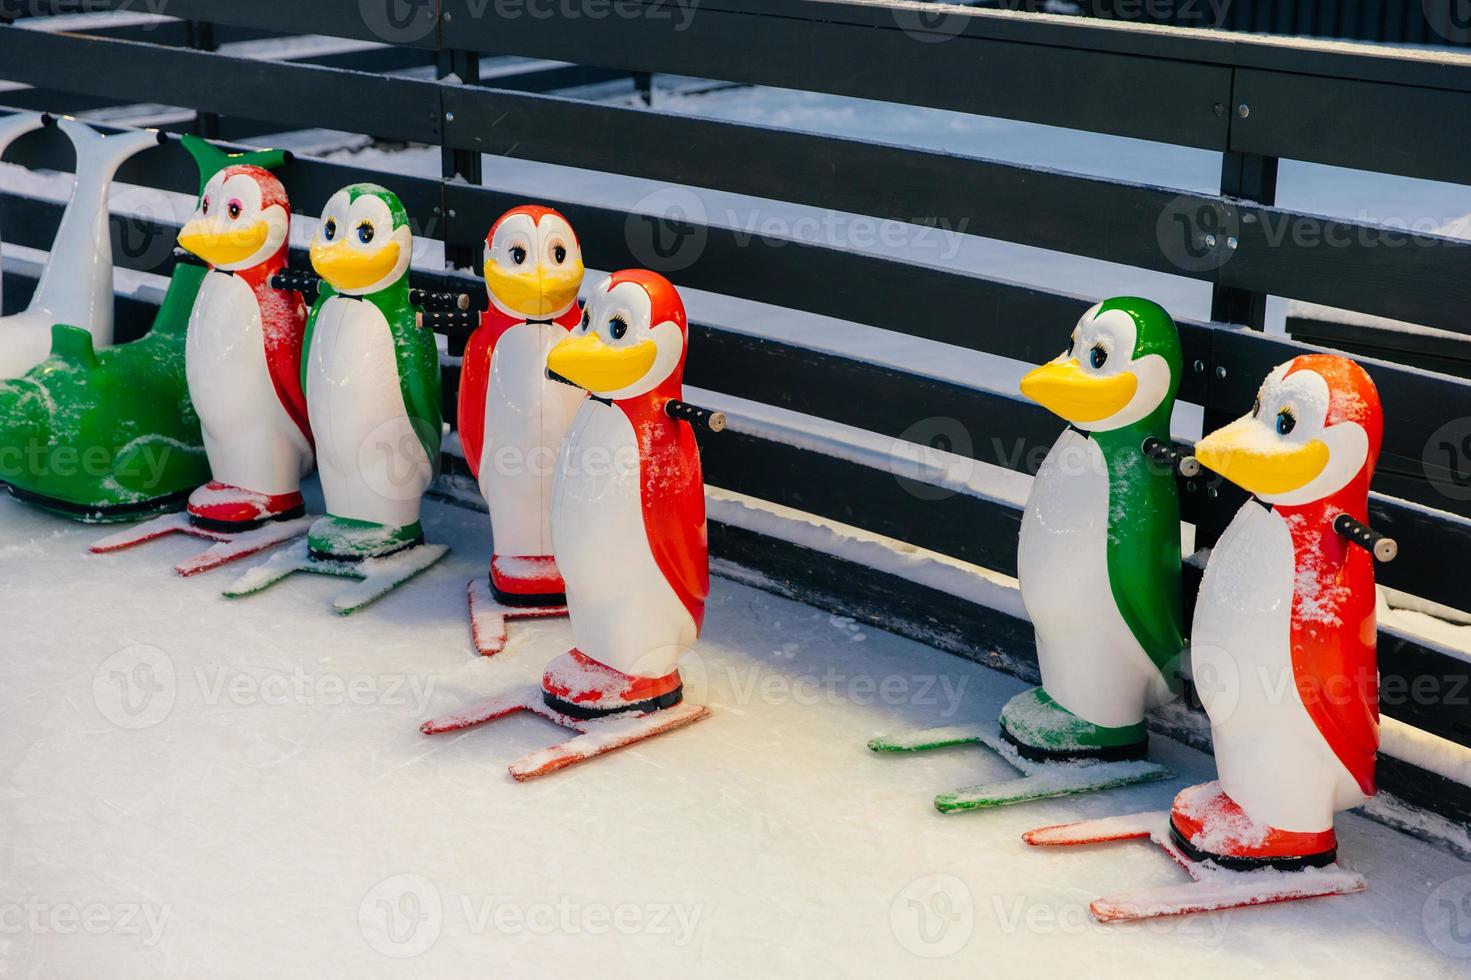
<point x="1156" y="334"/>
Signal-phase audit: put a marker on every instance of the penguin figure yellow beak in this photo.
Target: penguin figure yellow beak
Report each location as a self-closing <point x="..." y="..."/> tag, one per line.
<point x="1244" y="453"/>
<point x="589" y="363"/>
<point x="223" y="244"/>
<point x="537" y="292"/>
<point x="347" y="268"/>
<point x="1065" y="389"/>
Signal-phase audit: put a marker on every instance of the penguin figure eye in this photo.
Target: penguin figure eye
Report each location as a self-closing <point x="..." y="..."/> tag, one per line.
<point x="1098" y="356"/>
<point x="204" y="206"/>
<point x="329" y="230"/>
<point x="559" y="253"/>
<point x="518" y="254"/>
<point x="233" y="208"/>
<point x="1286" y="421"/>
<point x="586" y="320"/>
<point x="617" y="328"/>
<point x="365" y="232"/>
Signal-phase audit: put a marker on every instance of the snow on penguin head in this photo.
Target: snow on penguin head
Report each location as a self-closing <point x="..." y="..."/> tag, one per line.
<point x="1315" y="429"/>
<point x="242" y="219"/>
<point x="1122" y="366"/>
<point x="533" y="263"/>
<point x="363" y="244"/>
<point x="631" y="341"/>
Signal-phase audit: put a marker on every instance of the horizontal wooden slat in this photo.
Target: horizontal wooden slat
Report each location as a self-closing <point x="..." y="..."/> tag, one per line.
<point x="979" y="424"/>
<point x="963" y="526"/>
<point x="294" y="95"/>
<point x="409" y="23"/>
<point x="1065" y="86"/>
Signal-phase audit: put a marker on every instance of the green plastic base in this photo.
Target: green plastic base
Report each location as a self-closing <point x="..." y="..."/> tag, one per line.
<point x="346" y="539"/>
<point x="1041" y="729"/>
<point x="95" y="434"/>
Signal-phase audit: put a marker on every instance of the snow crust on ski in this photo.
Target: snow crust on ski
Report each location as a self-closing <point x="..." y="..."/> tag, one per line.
<point x="1039" y="780"/>
<point x="1211" y="888"/>
<point x="597" y="736"/>
<point x="162" y="525"/>
<point x="377" y="576"/>
<point x="488" y="617"/>
<point x="229" y="545"/>
<point x="1128" y="826"/>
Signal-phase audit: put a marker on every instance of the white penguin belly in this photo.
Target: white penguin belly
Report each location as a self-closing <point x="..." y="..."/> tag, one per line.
<point x="372" y="464"/>
<point x="624" y="612"/>
<point x="1271" y="757"/>
<point x="526" y="417"/>
<point x="250" y="439"/>
<point x="1090" y="661"/>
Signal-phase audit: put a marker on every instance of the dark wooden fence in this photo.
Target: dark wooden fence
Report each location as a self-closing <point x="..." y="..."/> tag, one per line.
<point x="1422" y="22"/>
<point x="1252" y="101"/>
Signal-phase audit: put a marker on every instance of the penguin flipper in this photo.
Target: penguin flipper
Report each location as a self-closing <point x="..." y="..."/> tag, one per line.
<point x="1336" y="669"/>
<point x="1144" y="551"/>
<point x="419" y="381"/>
<point x="475" y="388"/>
<point x="673" y="497"/>
<point x="324" y="293"/>
<point x="283" y="316"/>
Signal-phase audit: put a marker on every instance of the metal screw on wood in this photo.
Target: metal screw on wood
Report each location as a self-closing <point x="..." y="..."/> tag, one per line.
<point x="1243" y="110"/>
<point x="1199" y="365"/>
<point x="1231" y="242"/>
<point x="1220" y="372"/>
<point x="449" y="117"/>
<point x="1218" y="109"/>
<point x="448" y="17"/>
<point x="1210" y="241"/>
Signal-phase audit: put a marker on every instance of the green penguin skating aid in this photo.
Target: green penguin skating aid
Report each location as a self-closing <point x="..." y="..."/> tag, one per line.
<point x="1098" y="562"/>
<point x="372" y="384"/>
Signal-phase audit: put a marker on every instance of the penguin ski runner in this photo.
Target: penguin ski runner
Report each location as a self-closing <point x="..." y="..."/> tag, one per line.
<point x="1283" y="651"/>
<point x="1099" y="567"/>
<point x="512" y="417"/>
<point x="243" y="361"/>
<point x="371" y="378"/>
<point x="628" y="527"/>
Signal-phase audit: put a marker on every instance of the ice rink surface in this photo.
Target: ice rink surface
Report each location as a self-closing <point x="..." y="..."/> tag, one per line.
<point x="202" y="787"/>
